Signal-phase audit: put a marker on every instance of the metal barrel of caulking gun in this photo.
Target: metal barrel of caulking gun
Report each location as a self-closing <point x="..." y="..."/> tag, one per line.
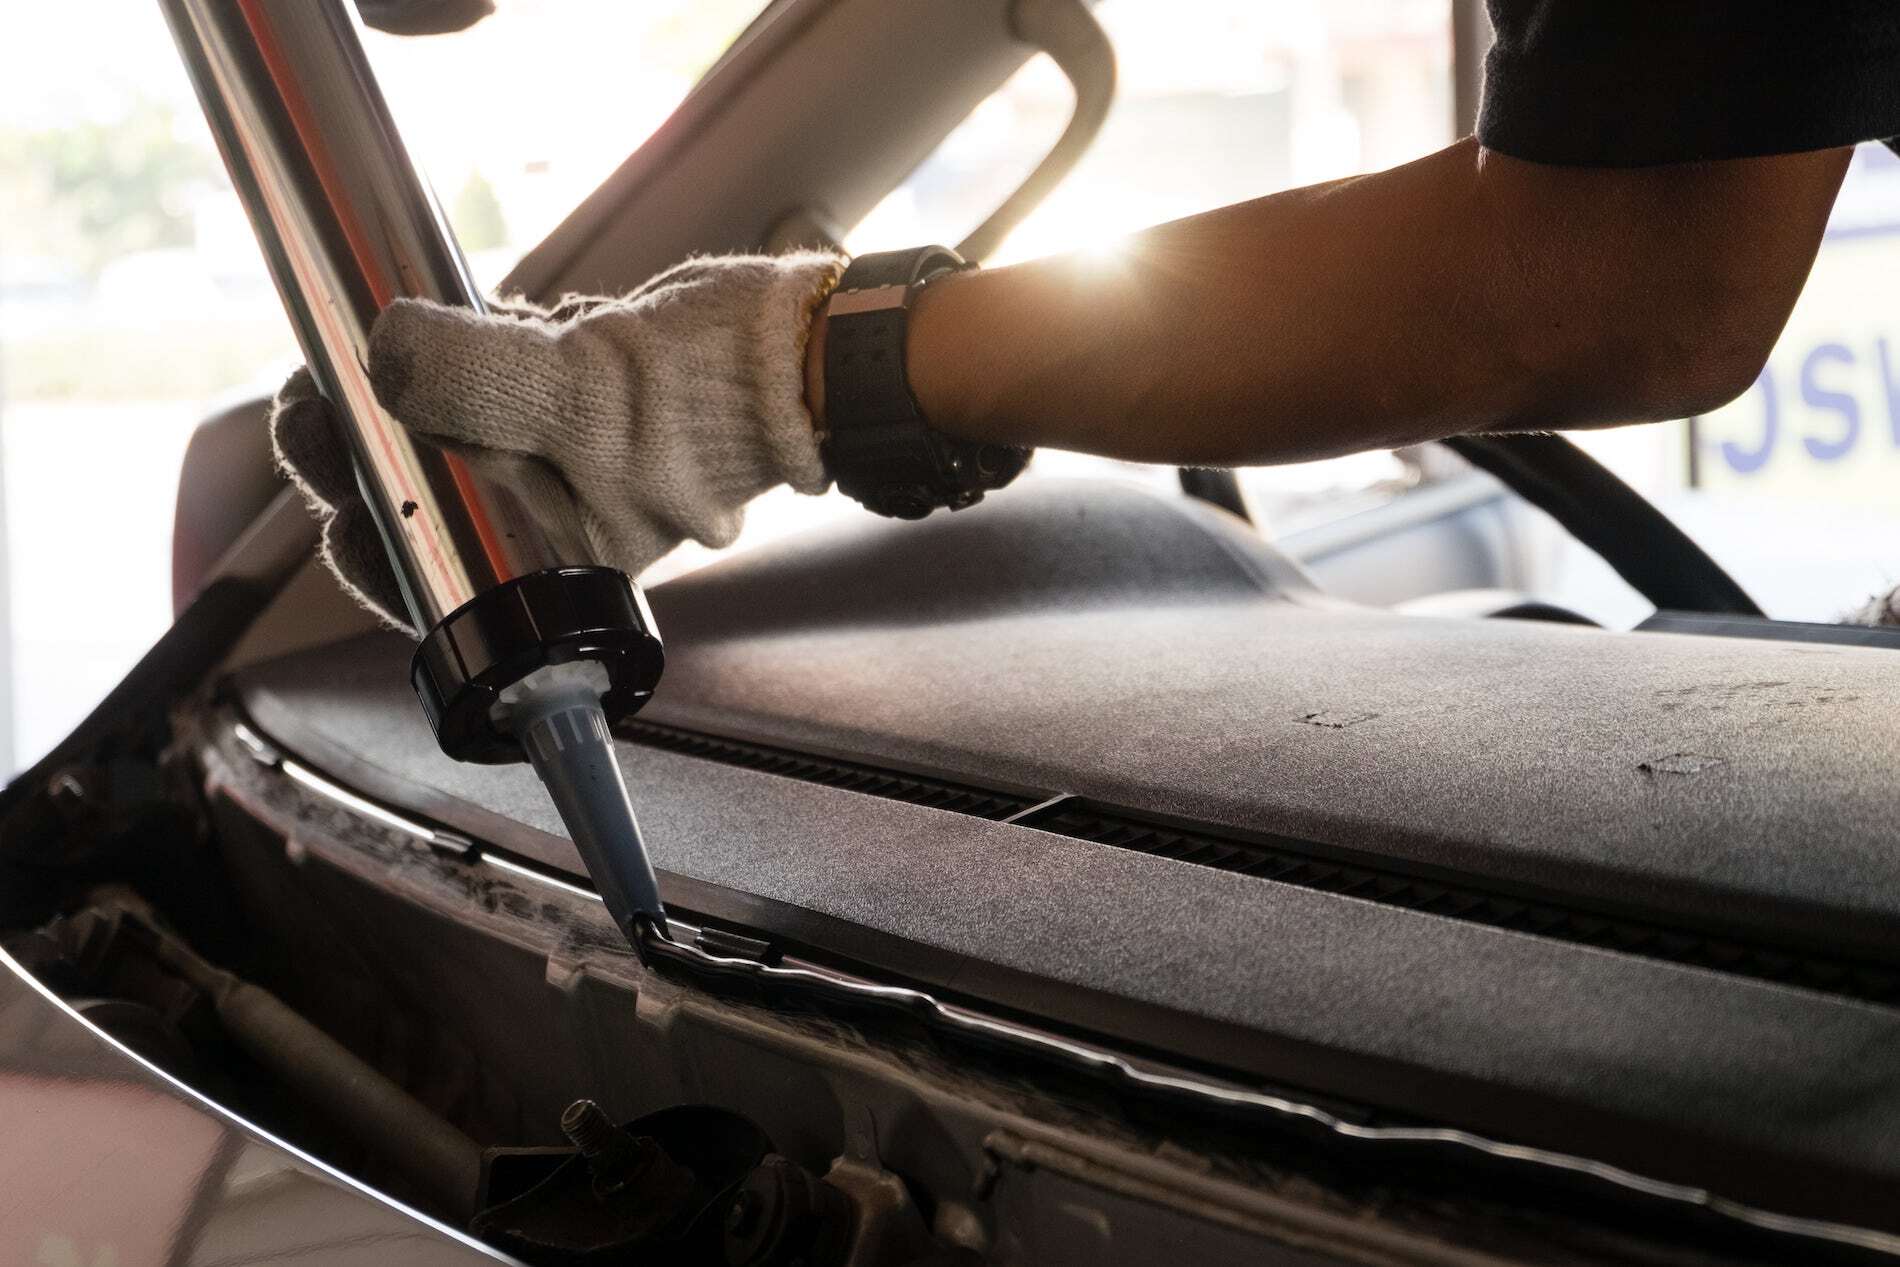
<point x="524" y="629"/>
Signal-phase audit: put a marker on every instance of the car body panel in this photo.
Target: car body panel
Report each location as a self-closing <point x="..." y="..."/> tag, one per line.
<point x="106" y="1159"/>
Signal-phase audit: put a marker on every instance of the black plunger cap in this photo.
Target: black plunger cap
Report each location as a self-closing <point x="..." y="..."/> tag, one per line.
<point x="499" y="637"/>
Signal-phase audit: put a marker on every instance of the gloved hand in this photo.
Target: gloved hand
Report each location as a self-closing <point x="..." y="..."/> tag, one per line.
<point x="665" y="411"/>
<point x="1879" y="609"/>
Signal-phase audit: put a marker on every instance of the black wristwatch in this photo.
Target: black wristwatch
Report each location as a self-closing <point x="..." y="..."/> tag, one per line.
<point x="878" y="446"/>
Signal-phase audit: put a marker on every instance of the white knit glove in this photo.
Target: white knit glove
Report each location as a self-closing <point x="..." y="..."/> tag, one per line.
<point x="665" y="411"/>
<point x="1879" y="609"/>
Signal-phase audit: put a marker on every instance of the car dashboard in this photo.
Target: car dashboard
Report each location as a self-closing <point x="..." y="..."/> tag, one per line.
<point x="1100" y="759"/>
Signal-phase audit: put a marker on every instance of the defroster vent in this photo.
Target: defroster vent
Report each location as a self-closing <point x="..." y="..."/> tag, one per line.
<point x="1310" y="866"/>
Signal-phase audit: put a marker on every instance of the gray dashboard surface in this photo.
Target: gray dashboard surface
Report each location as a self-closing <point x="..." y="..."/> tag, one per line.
<point x="1095" y="640"/>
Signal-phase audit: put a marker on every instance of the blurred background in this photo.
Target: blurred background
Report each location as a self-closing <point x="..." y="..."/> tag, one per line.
<point x="133" y="301"/>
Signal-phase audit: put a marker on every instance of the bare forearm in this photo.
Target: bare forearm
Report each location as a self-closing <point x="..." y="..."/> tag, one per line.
<point x="1461" y="292"/>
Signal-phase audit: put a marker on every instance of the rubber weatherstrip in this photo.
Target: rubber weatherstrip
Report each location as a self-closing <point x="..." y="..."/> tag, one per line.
<point x="677" y="948"/>
<point x="812" y="979"/>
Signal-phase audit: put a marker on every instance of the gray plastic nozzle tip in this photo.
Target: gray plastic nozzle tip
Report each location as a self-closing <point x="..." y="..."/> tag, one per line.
<point x="565" y="734"/>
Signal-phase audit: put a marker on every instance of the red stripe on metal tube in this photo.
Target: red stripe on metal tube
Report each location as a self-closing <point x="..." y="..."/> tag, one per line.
<point x="347" y="227"/>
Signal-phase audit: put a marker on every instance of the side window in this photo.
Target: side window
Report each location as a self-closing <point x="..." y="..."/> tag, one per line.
<point x="1792" y="485"/>
<point x="1789" y="487"/>
<point x="133" y="299"/>
<point x="1218" y="101"/>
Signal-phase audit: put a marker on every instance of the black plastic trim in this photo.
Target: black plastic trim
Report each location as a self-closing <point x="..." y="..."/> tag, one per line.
<point x="1217" y="487"/>
<point x="1886" y="637"/>
<point x="912" y="789"/>
<point x="1659" y="560"/>
<point x="553" y="616"/>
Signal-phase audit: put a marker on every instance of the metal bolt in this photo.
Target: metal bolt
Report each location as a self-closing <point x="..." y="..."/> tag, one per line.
<point x="66" y="788"/>
<point x="588" y="1128"/>
<point x="744" y="1215"/>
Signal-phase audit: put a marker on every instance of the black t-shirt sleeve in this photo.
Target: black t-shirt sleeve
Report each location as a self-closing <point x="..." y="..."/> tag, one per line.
<point x="1627" y="83"/>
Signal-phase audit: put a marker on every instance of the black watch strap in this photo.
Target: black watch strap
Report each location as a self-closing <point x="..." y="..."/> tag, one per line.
<point x="878" y="445"/>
